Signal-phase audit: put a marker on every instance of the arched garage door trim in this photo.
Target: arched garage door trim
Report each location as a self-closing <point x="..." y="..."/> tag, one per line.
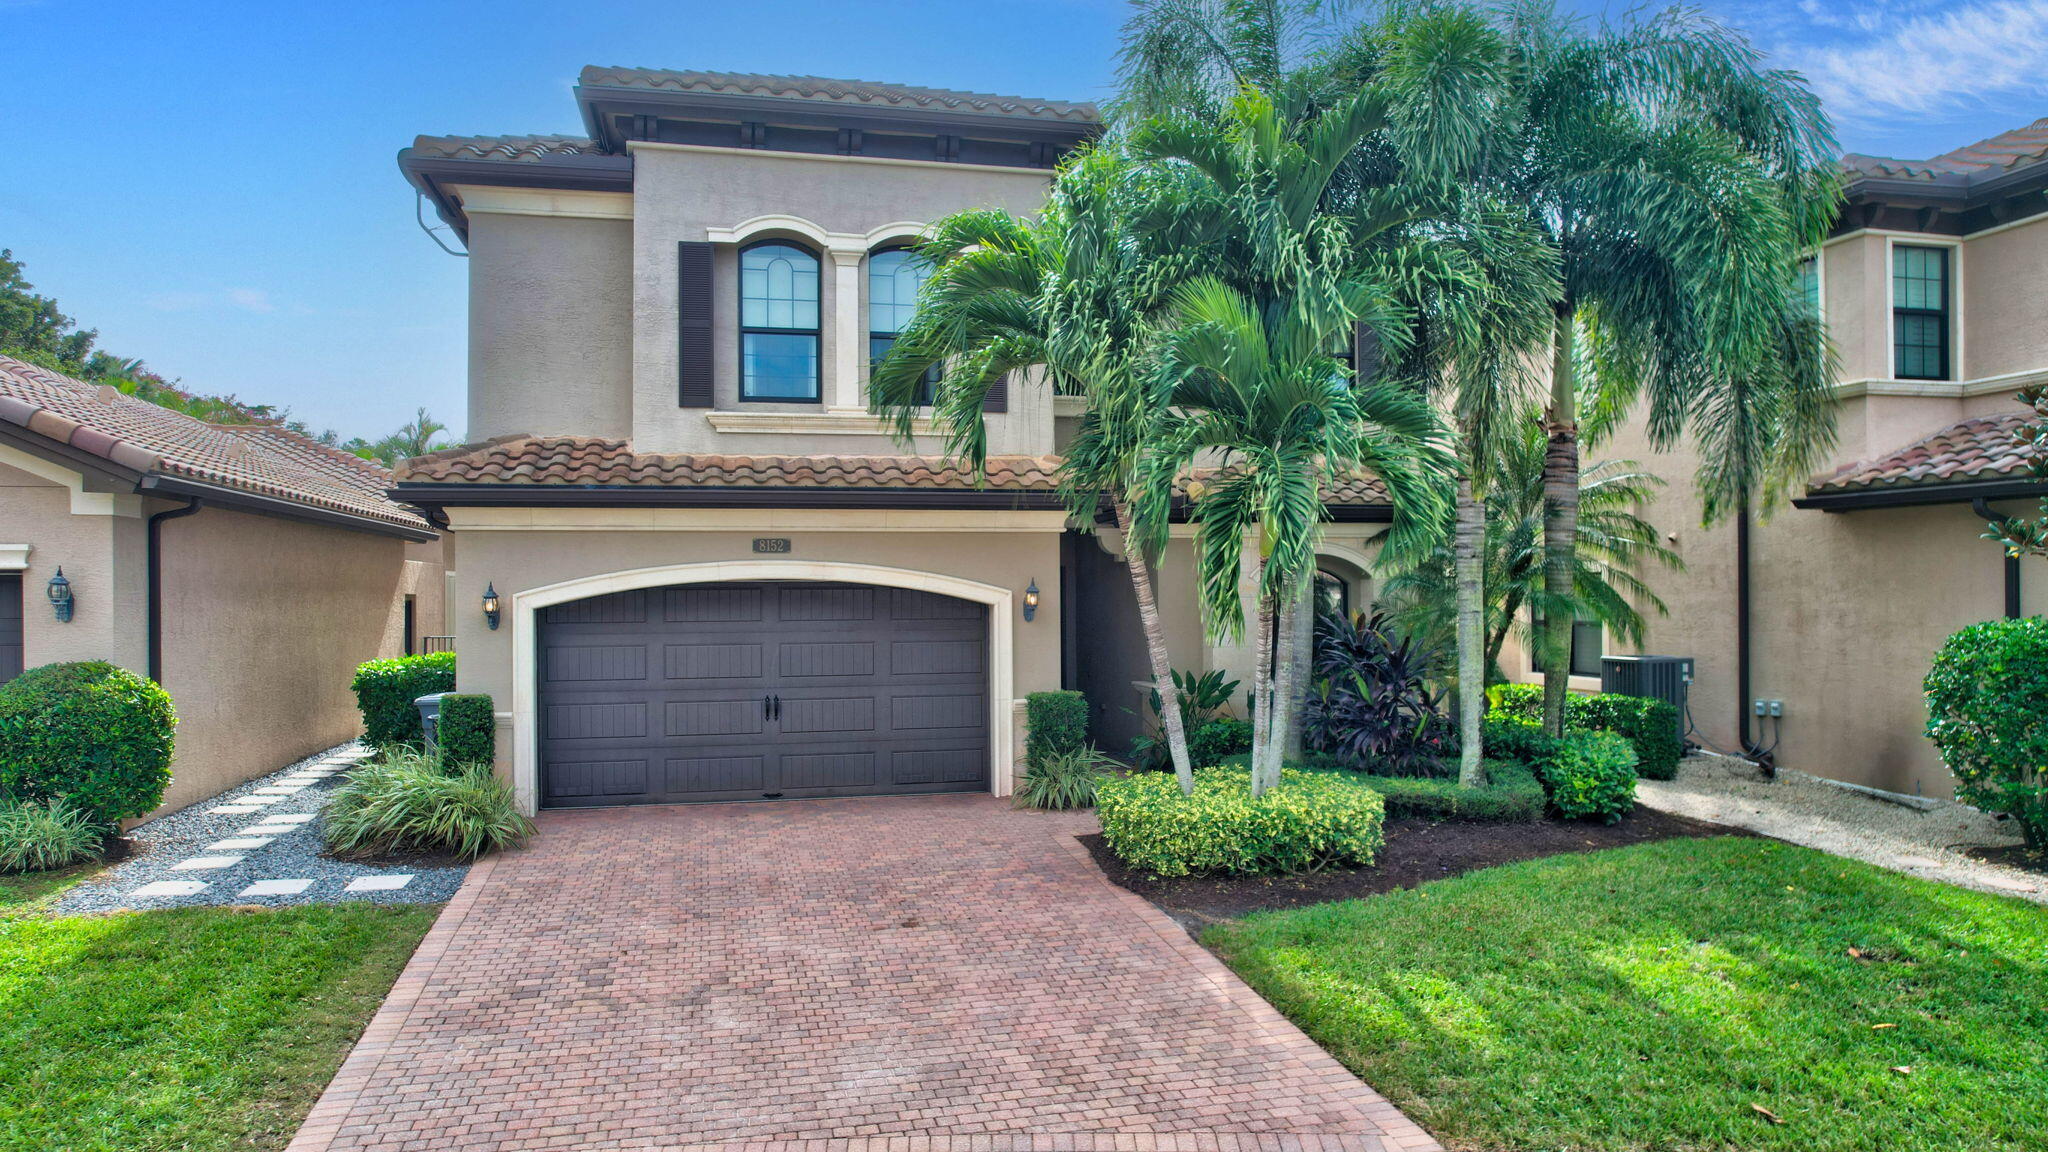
<point x="525" y="624"/>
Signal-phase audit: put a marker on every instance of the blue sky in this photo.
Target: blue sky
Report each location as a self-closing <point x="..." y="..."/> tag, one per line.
<point x="212" y="186"/>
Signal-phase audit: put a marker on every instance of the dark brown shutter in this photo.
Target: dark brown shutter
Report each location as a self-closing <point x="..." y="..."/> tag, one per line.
<point x="1365" y="352"/>
<point x="693" y="324"/>
<point x="997" y="398"/>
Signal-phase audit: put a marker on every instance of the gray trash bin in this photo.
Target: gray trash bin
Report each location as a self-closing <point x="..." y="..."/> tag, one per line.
<point x="430" y="716"/>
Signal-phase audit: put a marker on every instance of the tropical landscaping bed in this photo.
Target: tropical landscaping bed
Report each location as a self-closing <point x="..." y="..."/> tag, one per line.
<point x="1715" y="993"/>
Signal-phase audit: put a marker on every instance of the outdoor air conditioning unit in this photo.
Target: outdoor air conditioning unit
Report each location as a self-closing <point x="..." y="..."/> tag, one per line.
<point x="1658" y="677"/>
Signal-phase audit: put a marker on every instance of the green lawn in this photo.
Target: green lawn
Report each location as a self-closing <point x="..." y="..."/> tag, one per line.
<point x="1654" y="997"/>
<point x="193" y="1029"/>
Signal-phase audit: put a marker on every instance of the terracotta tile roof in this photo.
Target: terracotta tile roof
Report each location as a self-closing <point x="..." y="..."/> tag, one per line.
<point x="863" y="93"/>
<point x="1984" y="448"/>
<point x="136" y="435"/>
<point x="512" y="149"/>
<point x="1986" y="158"/>
<point x="576" y="460"/>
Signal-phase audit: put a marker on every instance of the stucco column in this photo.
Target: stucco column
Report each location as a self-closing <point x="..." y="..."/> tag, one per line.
<point x="849" y="335"/>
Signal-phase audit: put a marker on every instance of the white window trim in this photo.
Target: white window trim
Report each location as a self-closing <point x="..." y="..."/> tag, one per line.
<point x="1955" y="302"/>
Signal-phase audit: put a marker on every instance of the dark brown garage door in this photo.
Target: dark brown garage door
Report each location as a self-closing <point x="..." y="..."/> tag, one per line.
<point x="10" y="626"/>
<point x="769" y="690"/>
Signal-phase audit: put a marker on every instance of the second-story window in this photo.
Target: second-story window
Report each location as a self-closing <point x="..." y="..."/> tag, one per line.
<point x="1809" y="284"/>
<point x="895" y="275"/>
<point x="778" y="323"/>
<point x="1920" y="312"/>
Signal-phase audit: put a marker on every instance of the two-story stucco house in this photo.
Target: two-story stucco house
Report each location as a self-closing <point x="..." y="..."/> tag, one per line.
<point x="1934" y="289"/>
<point x="716" y="576"/>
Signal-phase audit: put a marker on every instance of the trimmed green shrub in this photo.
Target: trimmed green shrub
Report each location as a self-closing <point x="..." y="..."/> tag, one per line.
<point x="40" y="835"/>
<point x="1593" y="774"/>
<point x="385" y="691"/>
<point x="1522" y="741"/>
<point x="1986" y="695"/>
<point x="1310" y="820"/>
<point x="1650" y="725"/>
<point x="1218" y="740"/>
<point x="1064" y="779"/>
<point x="405" y="801"/>
<point x="1511" y="795"/>
<point x="90" y="734"/>
<point x="467" y="731"/>
<point x="1054" y="722"/>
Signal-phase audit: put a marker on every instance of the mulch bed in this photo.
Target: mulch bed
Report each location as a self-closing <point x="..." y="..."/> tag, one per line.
<point x="2016" y="856"/>
<point x="1418" y="851"/>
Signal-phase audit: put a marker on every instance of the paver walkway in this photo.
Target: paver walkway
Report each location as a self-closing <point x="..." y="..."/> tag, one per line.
<point x="891" y="974"/>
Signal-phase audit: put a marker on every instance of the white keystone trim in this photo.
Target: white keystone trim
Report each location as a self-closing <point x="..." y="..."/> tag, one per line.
<point x="14" y="557"/>
<point x="527" y="603"/>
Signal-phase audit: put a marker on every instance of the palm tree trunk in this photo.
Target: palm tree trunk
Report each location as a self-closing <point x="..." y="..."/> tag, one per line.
<point x="1299" y="656"/>
<point x="1286" y="682"/>
<point x="1561" y="523"/>
<point x="1262" y="682"/>
<point x="1155" y="648"/>
<point x="1470" y="561"/>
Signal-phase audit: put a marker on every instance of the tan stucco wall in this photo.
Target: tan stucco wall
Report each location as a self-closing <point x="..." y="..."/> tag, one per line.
<point x="682" y="194"/>
<point x="550" y="326"/>
<point x="264" y="622"/>
<point x="2005" y="312"/>
<point x="101" y="554"/>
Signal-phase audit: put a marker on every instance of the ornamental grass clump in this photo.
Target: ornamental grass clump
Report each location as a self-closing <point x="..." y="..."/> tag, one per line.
<point x="1067" y="778"/>
<point x="409" y="802"/>
<point x="1306" y="822"/>
<point x="36" y="836"/>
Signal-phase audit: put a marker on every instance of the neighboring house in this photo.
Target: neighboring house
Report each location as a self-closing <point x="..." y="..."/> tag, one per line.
<point x="1934" y="288"/>
<point x="718" y="577"/>
<point x="245" y="567"/>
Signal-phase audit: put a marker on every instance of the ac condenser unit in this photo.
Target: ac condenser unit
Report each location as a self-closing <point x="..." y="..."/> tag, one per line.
<point x="1658" y="677"/>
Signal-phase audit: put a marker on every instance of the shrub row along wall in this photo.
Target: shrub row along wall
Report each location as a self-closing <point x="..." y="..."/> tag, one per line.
<point x="1650" y="725"/>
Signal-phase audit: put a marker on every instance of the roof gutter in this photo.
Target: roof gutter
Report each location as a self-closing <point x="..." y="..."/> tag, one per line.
<point x="1923" y="494"/>
<point x="157" y="484"/>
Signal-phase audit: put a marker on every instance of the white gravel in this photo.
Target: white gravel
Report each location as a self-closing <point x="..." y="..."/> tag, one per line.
<point x="269" y="855"/>
<point x="1807" y="810"/>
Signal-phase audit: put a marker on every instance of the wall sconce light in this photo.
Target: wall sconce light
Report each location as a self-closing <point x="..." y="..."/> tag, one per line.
<point x="491" y="605"/>
<point x="1031" y="601"/>
<point x="60" y="596"/>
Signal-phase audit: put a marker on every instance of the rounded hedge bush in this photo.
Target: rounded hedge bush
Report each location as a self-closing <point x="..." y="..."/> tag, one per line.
<point x="1986" y="695"/>
<point x="91" y="734"/>
<point x="1591" y="775"/>
<point x="1216" y="740"/>
<point x="385" y="690"/>
<point x="1310" y="820"/>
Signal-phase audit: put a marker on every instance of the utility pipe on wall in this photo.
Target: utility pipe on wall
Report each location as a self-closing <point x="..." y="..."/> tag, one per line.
<point x="1982" y="508"/>
<point x="156" y="584"/>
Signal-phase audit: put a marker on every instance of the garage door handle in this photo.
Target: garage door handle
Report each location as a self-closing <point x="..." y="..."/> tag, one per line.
<point x="767" y="707"/>
<point x="778" y="707"/>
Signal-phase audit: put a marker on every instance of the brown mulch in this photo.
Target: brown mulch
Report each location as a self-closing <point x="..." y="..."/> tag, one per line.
<point x="2016" y="856"/>
<point x="1418" y="850"/>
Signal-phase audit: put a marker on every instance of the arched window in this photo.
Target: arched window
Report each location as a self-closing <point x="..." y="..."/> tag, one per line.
<point x="895" y="275"/>
<point x="1333" y="594"/>
<point x="778" y="323"/>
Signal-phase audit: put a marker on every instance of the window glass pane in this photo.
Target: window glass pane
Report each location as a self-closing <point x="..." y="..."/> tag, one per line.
<point x="1586" y="643"/>
<point x="878" y="347"/>
<point x="775" y="366"/>
<point x="1332" y="594"/>
<point x="894" y="278"/>
<point x="1920" y="312"/>
<point x="1809" y="284"/>
<point x="1918" y="342"/>
<point x="778" y="287"/>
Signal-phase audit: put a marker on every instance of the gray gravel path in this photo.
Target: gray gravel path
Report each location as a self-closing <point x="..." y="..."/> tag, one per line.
<point x="1807" y="810"/>
<point x="256" y="844"/>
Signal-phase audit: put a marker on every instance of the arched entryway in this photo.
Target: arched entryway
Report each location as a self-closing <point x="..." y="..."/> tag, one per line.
<point x="755" y="681"/>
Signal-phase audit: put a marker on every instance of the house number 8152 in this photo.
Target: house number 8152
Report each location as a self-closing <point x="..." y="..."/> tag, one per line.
<point x="771" y="544"/>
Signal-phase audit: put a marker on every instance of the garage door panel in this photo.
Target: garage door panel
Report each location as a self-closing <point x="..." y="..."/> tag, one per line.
<point x="624" y="662"/>
<point x="715" y="717"/>
<point x="716" y="774"/>
<point x="838" y="714"/>
<point x="602" y="781"/>
<point x="609" y="721"/>
<point x="762" y="690"/>
<point x="712" y="661"/>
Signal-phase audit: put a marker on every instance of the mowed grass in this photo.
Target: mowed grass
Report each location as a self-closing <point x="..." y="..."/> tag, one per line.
<point x="1656" y="997"/>
<point x="193" y="1029"/>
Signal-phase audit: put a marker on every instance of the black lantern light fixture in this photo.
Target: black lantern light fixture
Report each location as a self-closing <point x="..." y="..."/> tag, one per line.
<point x="60" y="596"/>
<point x="1031" y="601"/>
<point x="491" y="605"/>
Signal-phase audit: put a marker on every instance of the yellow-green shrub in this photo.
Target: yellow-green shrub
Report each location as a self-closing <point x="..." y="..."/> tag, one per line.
<point x="1308" y="821"/>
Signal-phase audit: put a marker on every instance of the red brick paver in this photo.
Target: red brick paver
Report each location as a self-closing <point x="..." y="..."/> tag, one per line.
<point x="929" y="974"/>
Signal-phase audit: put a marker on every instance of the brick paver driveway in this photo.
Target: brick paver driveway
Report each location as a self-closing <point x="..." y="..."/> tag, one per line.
<point x="894" y="974"/>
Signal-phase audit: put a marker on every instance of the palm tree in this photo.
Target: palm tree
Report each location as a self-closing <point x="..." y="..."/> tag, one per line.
<point x="1679" y="180"/>
<point x="1259" y="415"/>
<point x="1073" y="292"/>
<point x="1614" y="543"/>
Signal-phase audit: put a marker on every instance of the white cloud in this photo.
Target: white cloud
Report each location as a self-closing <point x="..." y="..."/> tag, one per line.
<point x="251" y="299"/>
<point x="1936" y="64"/>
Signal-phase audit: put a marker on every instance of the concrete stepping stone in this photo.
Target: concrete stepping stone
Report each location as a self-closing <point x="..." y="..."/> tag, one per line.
<point x="277" y="887"/>
<point x="238" y="844"/>
<point x="379" y="883"/>
<point x="280" y="790"/>
<point x="206" y="863"/>
<point x="259" y="801"/>
<point x="267" y="828"/>
<point x="292" y="818"/>
<point x="233" y="810"/>
<point x="170" y="888"/>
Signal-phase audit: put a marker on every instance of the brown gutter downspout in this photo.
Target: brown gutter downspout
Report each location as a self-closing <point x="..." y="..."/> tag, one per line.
<point x="156" y="584"/>
<point x="1982" y="508"/>
<point x="1762" y="756"/>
